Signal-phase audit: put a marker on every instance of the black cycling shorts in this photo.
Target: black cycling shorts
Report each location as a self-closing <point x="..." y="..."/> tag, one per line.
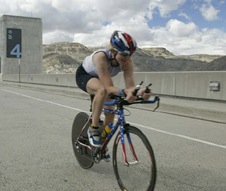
<point x="82" y="78"/>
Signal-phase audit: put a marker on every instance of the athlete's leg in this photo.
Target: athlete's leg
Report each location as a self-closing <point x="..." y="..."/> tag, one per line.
<point x="94" y="86"/>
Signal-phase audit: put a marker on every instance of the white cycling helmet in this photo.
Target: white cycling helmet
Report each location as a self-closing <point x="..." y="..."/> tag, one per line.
<point x="123" y="43"/>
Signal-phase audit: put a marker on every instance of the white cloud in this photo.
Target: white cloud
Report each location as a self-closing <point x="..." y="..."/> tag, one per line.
<point x="184" y="15"/>
<point x="57" y="36"/>
<point x="180" y="29"/>
<point x="209" y="12"/>
<point x="165" y="7"/>
<point x="181" y="38"/>
<point x="91" y="23"/>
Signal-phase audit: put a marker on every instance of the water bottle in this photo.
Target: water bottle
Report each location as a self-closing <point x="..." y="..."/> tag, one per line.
<point x="106" y="131"/>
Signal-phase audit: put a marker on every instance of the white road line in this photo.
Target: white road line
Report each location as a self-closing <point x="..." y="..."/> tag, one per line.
<point x="149" y="128"/>
<point x="182" y="136"/>
<point x="42" y="100"/>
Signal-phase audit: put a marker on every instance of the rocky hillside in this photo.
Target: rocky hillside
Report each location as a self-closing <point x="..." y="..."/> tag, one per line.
<point x="65" y="58"/>
<point x="219" y="63"/>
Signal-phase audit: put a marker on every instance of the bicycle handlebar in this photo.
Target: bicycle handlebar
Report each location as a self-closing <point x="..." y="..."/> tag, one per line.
<point x="120" y="101"/>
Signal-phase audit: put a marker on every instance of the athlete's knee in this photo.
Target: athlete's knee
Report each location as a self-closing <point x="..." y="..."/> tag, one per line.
<point x="101" y="92"/>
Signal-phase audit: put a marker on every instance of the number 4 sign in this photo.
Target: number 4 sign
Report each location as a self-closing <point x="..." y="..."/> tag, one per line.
<point x="14" y="49"/>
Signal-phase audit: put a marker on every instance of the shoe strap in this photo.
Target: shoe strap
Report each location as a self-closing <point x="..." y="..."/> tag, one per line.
<point x="94" y="133"/>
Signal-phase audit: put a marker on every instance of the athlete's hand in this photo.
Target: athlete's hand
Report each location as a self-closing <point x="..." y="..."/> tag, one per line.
<point x="145" y="95"/>
<point x="129" y="95"/>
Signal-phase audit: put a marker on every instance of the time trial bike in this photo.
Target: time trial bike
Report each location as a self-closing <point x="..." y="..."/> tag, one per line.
<point x="133" y="157"/>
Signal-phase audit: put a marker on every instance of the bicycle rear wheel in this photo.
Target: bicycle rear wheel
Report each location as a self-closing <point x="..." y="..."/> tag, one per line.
<point x="80" y="121"/>
<point x="140" y="174"/>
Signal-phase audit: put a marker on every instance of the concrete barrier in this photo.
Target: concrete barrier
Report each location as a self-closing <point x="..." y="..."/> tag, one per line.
<point x="201" y="85"/>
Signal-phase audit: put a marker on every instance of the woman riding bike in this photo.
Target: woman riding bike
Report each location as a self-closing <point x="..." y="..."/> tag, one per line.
<point x="94" y="77"/>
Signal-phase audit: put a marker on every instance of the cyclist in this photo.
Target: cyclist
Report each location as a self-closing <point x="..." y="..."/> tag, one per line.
<point x="94" y="77"/>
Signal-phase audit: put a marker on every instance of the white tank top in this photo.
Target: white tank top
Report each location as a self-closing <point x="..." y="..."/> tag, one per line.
<point x="90" y="67"/>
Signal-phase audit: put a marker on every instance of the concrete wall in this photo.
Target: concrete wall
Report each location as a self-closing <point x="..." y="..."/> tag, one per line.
<point x="183" y="84"/>
<point x="31" y="30"/>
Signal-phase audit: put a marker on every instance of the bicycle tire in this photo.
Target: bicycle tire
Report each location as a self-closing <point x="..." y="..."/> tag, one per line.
<point x="79" y="121"/>
<point x="132" y="177"/>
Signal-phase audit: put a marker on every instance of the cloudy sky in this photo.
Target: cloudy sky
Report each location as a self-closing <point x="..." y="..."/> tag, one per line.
<point x="181" y="26"/>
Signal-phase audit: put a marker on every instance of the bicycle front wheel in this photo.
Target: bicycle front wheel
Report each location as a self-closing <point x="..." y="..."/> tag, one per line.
<point x="140" y="172"/>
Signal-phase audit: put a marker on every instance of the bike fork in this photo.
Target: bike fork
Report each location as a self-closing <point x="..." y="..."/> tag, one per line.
<point x="125" y="158"/>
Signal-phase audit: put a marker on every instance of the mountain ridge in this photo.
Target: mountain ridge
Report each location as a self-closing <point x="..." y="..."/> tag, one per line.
<point x="65" y="57"/>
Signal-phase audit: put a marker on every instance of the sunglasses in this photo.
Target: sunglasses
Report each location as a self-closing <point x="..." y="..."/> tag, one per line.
<point x="124" y="54"/>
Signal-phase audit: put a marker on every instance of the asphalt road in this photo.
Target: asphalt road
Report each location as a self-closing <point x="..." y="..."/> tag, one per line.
<point x="36" y="152"/>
